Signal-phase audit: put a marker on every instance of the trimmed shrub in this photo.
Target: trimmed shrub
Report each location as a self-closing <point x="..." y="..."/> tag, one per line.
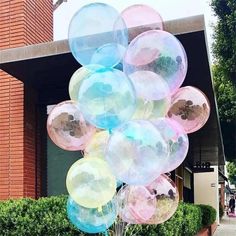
<point x="208" y="215"/>
<point x="192" y="220"/>
<point x="47" y="216"/>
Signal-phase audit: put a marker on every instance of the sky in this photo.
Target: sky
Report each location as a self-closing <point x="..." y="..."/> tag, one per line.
<point x="168" y="9"/>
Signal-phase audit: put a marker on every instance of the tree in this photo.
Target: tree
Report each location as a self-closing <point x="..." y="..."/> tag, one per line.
<point x="231" y="169"/>
<point x="224" y="46"/>
<point x="224" y="71"/>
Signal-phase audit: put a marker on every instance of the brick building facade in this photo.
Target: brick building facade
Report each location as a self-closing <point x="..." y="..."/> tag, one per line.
<point x="22" y="22"/>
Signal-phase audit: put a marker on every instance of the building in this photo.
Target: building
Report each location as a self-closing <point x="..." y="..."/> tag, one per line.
<point x="31" y="165"/>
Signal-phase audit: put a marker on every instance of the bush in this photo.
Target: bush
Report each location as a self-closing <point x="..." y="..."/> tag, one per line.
<point x="208" y="215"/>
<point x="47" y="216"/>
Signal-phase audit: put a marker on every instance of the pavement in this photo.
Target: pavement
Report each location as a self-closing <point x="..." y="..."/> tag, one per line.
<point x="227" y="227"/>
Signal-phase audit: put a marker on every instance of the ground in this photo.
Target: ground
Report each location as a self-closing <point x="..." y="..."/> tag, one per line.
<point x="227" y="227"/>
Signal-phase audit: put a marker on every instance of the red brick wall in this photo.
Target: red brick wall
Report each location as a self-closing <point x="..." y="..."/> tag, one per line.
<point x="22" y="22"/>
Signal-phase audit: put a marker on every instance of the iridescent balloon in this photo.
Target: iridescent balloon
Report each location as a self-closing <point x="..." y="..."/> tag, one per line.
<point x="136" y="205"/>
<point x="90" y="182"/>
<point x="91" y="220"/>
<point x="160" y="52"/>
<point x="190" y="108"/>
<point x="140" y="18"/>
<point x="167" y="197"/>
<point x="177" y="140"/>
<point x="160" y="108"/>
<point x="149" y="85"/>
<point x="93" y="38"/>
<point x="97" y="145"/>
<point x="67" y="127"/>
<point x="107" y="98"/>
<point x="143" y="109"/>
<point x="136" y="151"/>
<point x="76" y="79"/>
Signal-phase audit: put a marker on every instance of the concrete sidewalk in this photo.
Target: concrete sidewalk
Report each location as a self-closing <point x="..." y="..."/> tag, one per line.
<point x="227" y="227"/>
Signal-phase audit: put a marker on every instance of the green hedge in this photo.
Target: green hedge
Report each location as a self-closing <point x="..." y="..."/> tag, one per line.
<point x="47" y="217"/>
<point x="208" y="215"/>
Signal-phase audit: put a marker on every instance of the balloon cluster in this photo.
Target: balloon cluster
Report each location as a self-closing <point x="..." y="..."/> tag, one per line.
<point x="128" y="116"/>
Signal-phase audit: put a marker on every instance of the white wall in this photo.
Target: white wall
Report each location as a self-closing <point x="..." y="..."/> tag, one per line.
<point x="206" y="189"/>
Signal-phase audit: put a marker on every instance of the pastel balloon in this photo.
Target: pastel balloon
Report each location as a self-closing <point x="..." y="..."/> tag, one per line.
<point x="143" y="109"/>
<point x="107" y="98"/>
<point x="98" y="35"/>
<point x="190" y="108"/>
<point x="160" y="107"/>
<point x="77" y="78"/>
<point x="97" y="145"/>
<point x="149" y="85"/>
<point x="91" y="220"/>
<point x="167" y="197"/>
<point x="135" y="152"/>
<point x="177" y="140"/>
<point x="136" y="205"/>
<point x="140" y="18"/>
<point x="67" y="128"/>
<point x="160" y="52"/>
<point x="90" y="182"/>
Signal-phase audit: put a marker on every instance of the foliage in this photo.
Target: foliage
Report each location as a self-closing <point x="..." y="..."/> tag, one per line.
<point x="224" y="47"/>
<point x="208" y="215"/>
<point x="231" y="169"/>
<point x="221" y="210"/>
<point x="47" y="216"/>
<point x="225" y="94"/>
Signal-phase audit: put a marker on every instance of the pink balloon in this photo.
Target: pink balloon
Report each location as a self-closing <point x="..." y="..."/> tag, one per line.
<point x="190" y="108"/>
<point x="67" y="128"/>
<point x="167" y="197"/>
<point x="136" y="205"/>
<point x="177" y="140"/>
<point x="149" y="85"/>
<point x="141" y="18"/>
<point x="159" y="52"/>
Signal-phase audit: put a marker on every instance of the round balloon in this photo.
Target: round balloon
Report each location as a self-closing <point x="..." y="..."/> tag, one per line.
<point x="167" y="197"/>
<point x="135" y="152"/>
<point x="97" y="145"/>
<point x="67" y="127"/>
<point x="177" y="140"/>
<point x="91" y="220"/>
<point x="160" y="107"/>
<point x="107" y="98"/>
<point x="90" y="182"/>
<point x="140" y="18"/>
<point x="98" y="35"/>
<point x="143" y="109"/>
<point x="149" y="85"/>
<point x="136" y="205"/>
<point x="77" y="77"/>
<point x="160" y="52"/>
<point x="190" y="108"/>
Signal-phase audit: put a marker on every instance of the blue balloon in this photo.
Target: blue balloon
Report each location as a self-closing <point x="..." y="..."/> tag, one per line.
<point x="91" y="220"/>
<point x="107" y="98"/>
<point x="98" y="35"/>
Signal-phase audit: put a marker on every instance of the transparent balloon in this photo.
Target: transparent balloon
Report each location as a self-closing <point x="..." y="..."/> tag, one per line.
<point x="160" y="52"/>
<point x="91" y="220"/>
<point x="107" y="98"/>
<point x="67" y="128"/>
<point x="177" y="140"/>
<point x="90" y="182"/>
<point x="98" y="35"/>
<point x="149" y="85"/>
<point x="190" y="108"/>
<point x="78" y="76"/>
<point x="167" y="197"/>
<point x="140" y="18"/>
<point x="135" y="152"/>
<point x="97" y="145"/>
<point x="136" y="205"/>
